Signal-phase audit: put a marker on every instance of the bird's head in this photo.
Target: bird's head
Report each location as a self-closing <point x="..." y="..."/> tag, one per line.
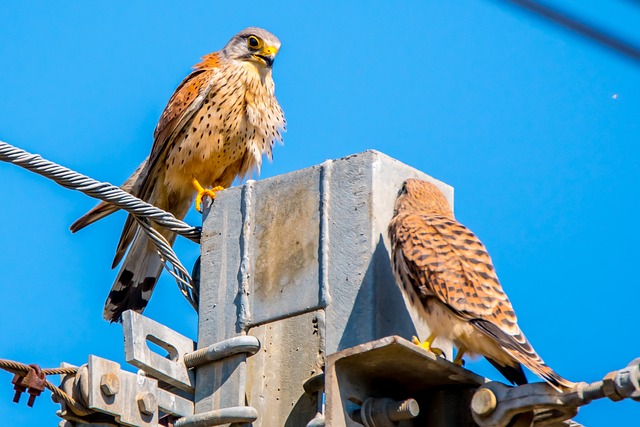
<point x="253" y="45"/>
<point x="418" y="196"/>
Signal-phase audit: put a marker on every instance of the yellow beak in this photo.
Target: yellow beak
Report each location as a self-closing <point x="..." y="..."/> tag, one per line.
<point x="270" y="50"/>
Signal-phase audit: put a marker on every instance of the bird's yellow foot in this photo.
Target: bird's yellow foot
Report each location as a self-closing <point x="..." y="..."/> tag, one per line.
<point x="204" y="192"/>
<point x="458" y="359"/>
<point x="427" y="345"/>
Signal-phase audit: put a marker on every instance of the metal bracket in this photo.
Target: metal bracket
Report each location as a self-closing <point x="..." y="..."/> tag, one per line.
<point x="138" y="331"/>
<point x="360" y="378"/>
<point x="102" y="386"/>
<point x="495" y="404"/>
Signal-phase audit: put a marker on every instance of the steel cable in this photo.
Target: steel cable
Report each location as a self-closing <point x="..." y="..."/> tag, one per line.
<point x="141" y="211"/>
<point x="18" y="368"/>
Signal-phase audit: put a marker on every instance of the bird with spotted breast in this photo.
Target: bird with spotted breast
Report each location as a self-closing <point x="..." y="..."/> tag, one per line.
<point x="216" y="127"/>
<point x="448" y="276"/>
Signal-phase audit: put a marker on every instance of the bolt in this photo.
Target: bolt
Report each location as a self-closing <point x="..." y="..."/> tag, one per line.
<point x="109" y="384"/>
<point x="385" y="411"/>
<point x="400" y="411"/>
<point x="147" y="403"/>
<point x="483" y="402"/>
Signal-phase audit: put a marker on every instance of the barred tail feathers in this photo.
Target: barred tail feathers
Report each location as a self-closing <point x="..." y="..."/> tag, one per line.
<point x="136" y="279"/>
<point x="519" y="348"/>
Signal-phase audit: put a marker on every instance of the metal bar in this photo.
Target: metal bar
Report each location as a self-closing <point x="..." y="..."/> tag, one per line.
<point x="239" y="414"/>
<point x="173" y="404"/>
<point x="220" y="350"/>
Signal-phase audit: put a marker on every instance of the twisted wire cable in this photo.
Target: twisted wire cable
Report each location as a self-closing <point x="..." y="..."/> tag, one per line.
<point x="171" y="263"/>
<point x="96" y="189"/>
<point x="141" y="211"/>
<point x="22" y="369"/>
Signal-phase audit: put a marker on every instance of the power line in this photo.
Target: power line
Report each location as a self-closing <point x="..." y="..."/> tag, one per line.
<point x="589" y="31"/>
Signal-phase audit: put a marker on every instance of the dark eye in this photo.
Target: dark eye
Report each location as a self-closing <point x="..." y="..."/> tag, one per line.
<point x="253" y="42"/>
<point x="403" y="190"/>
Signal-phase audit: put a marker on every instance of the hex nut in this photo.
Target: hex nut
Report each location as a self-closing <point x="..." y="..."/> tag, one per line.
<point x="147" y="403"/>
<point x="109" y="384"/>
<point x="484" y="402"/>
<point x="609" y="386"/>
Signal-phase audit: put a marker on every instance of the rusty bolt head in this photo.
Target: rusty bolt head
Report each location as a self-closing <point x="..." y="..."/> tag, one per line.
<point x="483" y="402"/>
<point x="109" y="384"/>
<point x="147" y="403"/>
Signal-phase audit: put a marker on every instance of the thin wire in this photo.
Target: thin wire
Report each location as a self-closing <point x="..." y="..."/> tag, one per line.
<point x="171" y="263"/>
<point x="589" y="31"/>
<point x="141" y="211"/>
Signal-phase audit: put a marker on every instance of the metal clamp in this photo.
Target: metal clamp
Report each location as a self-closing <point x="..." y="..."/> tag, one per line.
<point x="103" y="387"/>
<point x="229" y="347"/>
<point x="495" y="404"/>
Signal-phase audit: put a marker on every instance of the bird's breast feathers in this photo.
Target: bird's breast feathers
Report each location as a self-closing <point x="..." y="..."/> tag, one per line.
<point x="238" y="121"/>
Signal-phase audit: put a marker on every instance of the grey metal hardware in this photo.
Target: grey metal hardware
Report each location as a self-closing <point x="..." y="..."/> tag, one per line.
<point x="385" y="412"/>
<point x="232" y="346"/>
<point x="241" y="414"/>
<point x="495" y="404"/>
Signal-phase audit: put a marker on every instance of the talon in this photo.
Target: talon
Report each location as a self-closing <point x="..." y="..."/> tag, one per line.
<point x="459" y="360"/>
<point x="204" y="192"/>
<point x="427" y="345"/>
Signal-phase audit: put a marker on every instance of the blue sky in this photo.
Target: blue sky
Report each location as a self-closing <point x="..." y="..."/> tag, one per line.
<point x="537" y="129"/>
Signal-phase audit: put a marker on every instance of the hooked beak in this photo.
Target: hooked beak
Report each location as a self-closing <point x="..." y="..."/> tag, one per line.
<point x="267" y="55"/>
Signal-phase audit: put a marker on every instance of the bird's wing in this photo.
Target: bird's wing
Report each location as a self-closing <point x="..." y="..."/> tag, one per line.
<point x="184" y="103"/>
<point x="447" y="261"/>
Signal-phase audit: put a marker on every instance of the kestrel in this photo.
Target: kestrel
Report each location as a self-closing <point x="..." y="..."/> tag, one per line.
<point x="449" y="278"/>
<point x="217" y="125"/>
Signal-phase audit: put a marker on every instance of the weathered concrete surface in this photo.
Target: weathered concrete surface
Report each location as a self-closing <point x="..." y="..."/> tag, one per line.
<point x="290" y="354"/>
<point x="311" y="240"/>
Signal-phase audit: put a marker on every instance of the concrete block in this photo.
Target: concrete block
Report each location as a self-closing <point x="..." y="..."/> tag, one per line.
<point x="307" y="241"/>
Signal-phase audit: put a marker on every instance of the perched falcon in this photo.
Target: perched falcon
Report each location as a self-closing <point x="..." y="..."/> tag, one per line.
<point x="217" y="125"/>
<point x="448" y="276"/>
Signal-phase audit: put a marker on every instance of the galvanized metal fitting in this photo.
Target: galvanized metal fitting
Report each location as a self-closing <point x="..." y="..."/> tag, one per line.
<point x="243" y="344"/>
<point x="628" y="381"/>
<point x="109" y="384"/>
<point x="236" y="414"/>
<point x="385" y="412"/>
<point x="147" y="403"/>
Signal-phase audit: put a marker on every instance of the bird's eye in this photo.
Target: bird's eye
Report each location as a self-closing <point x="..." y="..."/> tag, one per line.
<point x="403" y="190"/>
<point x="253" y="42"/>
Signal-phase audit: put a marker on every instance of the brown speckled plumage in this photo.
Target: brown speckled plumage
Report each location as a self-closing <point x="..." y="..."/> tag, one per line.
<point x="216" y="127"/>
<point x="449" y="277"/>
